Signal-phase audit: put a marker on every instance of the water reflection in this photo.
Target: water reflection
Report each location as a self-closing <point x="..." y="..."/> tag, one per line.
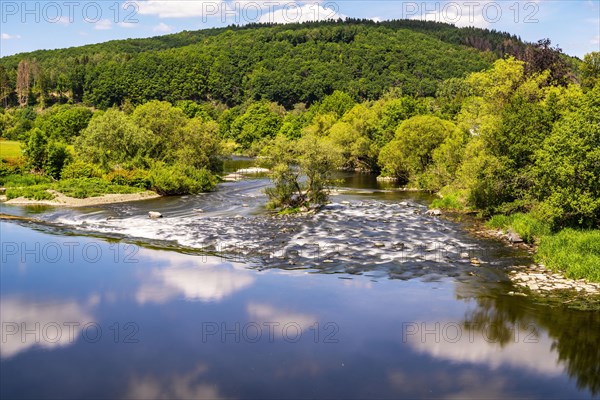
<point x="193" y="278"/>
<point x="190" y="385"/>
<point x="48" y="323"/>
<point x="572" y="335"/>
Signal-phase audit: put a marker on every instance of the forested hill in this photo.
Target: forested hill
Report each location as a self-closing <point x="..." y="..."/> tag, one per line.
<point x="287" y="64"/>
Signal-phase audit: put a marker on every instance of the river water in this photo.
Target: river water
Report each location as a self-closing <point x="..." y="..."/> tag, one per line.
<point x="369" y="298"/>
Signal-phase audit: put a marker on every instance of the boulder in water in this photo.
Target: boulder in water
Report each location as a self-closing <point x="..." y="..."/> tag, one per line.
<point x="434" y="212"/>
<point x="514" y="237"/>
<point x="154" y="214"/>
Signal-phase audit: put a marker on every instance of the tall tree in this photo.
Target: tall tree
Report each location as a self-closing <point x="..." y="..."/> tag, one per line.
<point x="23" y="82"/>
<point x="5" y="89"/>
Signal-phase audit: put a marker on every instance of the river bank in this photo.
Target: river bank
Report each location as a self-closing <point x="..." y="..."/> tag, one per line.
<point x="534" y="279"/>
<point x="61" y="200"/>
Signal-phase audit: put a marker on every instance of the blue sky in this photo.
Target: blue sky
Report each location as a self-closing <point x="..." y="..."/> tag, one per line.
<point x="31" y="25"/>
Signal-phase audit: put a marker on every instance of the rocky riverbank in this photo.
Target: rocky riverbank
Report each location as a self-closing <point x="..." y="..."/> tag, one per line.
<point x="538" y="279"/>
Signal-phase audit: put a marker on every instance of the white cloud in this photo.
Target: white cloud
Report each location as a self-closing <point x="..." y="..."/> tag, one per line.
<point x="595" y="40"/>
<point x="481" y="14"/>
<point x="103" y="25"/>
<point x="128" y="25"/>
<point x="162" y="27"/>
<point x="180" y="9"/>
<point x="294" y="14"/>
<point x="6" y="36"/>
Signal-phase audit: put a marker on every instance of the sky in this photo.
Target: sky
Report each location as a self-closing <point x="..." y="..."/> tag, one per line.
<point x="27" y="25"/>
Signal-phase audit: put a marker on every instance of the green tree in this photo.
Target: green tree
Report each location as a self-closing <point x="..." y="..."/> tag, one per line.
<point x="590" y="70"/>
<point x="568" y="168"/>
<point x="112" y="138"/>
<point x="411" y="152"/>
<point x="261" y="120"/>
<point x="35" y="149"/>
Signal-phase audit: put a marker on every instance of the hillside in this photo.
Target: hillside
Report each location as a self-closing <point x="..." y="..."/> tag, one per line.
<point x="287" y="64"/>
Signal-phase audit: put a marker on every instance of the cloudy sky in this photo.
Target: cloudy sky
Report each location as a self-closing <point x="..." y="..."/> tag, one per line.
<point x="30" y="25"/>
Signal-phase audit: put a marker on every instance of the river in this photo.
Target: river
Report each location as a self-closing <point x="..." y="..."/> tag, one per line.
<point x="369" y="298"/>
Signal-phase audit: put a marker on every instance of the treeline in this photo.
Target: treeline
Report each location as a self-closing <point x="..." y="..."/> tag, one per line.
<point x="286" y="64"/>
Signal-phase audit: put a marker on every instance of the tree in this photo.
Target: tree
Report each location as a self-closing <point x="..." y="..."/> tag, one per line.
<point x="111" y="139"/>
<point x="568" y="168"/>
<point x="261" y="120"/>
<point x="35" y="149"/>
<point x="57" y="157"/>
<point x="5" y="89"/>
<point x="23" y="83"/>
<point x="314" y="158"/>
<point x="411" y="152"/>
<point x="590" y="70"/>
<point x="318" y="160"/>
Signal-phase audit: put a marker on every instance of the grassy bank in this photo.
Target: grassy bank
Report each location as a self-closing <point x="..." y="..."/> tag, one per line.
<point x="575" y="253"/>
<point x="36" y="187"/>
<point x="10" y="149"/>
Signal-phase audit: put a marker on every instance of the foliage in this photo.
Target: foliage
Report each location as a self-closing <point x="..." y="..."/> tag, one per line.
<point x="301" y="171"/>
<point x="81" y="169"/>
<point x="35" y="149"/>
<point x="411" y="152"/>
<point x="567" y="168"/>
<point x="63" y="123"/>
<point x="135" y="178"/>
<point x="180" y="179"/>
<point x="261" y="120"/>
<point x="287" y="64"/>
<point x="113" y="139"/>
<point x="23" y="180"/>
<point x="57" y="157"/>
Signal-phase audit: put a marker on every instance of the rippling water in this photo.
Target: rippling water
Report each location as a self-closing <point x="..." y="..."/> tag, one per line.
<point x="367" y="298"/>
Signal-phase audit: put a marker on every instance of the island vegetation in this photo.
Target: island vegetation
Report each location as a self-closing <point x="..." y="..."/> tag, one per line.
<point x="494" y="125"/>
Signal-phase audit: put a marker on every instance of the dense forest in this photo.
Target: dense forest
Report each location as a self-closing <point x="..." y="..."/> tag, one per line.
<point x="286" y="64"/>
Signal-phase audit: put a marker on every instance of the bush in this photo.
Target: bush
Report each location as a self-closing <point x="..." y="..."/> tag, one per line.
<point x="179" y="180"/>
<point x="58" y="156"/>
<point x="81" y="169"/>
<point x="573" y="252"/>
<point x="25" y="180"/>
<point x="90" y="187"/>
<point x="135" y="178"/>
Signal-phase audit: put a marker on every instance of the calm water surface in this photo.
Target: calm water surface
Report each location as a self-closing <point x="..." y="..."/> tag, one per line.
<point x="367" y="299"/>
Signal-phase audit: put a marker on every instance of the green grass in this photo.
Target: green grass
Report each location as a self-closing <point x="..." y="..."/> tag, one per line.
<point x="36" y="192"/>
<point x="529" y="228"/>
<point x="36" y="186"/>
<point x="451" y="201"/>
<point x="572" y="252"/>
<point x="82" y="188"/>
<point x="23" y="180"/>
<point x="10" y="149"/>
